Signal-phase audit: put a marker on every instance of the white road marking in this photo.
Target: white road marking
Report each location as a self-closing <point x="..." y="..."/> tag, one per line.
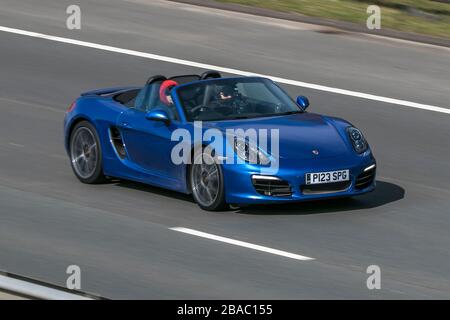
<point x="226" y="70"/>
<point x="16" y="145"/>
<point x="241" y="244"/>
<point x="32" y="105"/>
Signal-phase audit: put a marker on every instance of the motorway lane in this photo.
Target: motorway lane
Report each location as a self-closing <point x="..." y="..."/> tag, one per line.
<point x="292" y="50"/>
<point x="118" y="232"/>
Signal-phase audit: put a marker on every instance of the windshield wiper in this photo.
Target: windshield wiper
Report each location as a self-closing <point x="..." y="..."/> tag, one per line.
<point x="263" y="115"/>
<point x="288" y="113"/>
<point x="238" y="117"/>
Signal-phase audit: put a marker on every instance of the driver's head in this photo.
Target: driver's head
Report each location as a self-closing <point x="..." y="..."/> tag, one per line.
<point x="164" y="91"/>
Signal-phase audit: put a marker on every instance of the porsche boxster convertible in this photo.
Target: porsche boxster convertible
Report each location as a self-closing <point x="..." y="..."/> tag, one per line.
<point x="225" y="140"/>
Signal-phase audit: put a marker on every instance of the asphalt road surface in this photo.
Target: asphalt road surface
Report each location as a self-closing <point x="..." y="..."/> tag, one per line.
<point x="118" y="233"/>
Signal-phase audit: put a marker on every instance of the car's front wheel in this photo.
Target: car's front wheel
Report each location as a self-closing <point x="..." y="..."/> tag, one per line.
<point x="206" y="179"/>
<point x="86" y="153"/>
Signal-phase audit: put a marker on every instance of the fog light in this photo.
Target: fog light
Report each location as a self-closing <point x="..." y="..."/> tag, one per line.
<point x="370" y="167"/>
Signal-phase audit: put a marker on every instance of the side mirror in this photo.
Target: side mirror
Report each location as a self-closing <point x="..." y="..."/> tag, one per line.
<point x="158" y="115"/>
<point x="303" y="102"/>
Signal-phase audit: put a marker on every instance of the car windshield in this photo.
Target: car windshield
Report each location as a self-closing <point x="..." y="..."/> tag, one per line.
<point x="236" y="98"/>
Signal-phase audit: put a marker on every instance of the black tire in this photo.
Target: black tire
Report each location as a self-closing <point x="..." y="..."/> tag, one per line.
<point x="218" y="201"/>
<point x="82" y="150"/>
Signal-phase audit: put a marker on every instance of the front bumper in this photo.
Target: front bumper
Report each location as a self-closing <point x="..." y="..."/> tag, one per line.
<point x="240" y="189"/>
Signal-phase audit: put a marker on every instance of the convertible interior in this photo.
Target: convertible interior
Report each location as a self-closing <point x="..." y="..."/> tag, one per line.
<point x="208" y="101"/>
<point x="148" y="97"/>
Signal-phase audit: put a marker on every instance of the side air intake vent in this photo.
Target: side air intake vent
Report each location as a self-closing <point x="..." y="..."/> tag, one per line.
<point x="117" y="142"/>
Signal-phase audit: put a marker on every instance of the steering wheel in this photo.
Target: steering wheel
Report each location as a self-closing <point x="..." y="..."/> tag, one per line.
<point x="199" y="107"/>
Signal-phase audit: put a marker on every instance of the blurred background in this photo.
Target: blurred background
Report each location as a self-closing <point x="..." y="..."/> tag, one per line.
<point x="431" y="17"/>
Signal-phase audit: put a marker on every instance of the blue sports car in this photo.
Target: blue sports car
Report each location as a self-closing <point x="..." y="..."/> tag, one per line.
<point x="226" y="141"/>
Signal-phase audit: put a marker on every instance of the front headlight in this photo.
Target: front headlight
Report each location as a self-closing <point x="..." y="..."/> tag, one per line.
<point x="249" y="152"/>
<point x="358" y="141"/>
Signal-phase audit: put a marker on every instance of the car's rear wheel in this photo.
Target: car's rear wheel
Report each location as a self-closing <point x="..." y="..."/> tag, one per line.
<point x="86" y="154"/>
<point x="206" y="179"/>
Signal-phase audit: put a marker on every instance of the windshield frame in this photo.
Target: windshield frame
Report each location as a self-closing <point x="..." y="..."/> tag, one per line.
<point x="181" y="107"/>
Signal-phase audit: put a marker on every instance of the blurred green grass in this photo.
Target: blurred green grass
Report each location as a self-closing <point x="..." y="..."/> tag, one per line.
<point x="419" y="16"/>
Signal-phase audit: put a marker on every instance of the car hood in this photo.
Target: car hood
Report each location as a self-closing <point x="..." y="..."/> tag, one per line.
<point x="299" y="134"/>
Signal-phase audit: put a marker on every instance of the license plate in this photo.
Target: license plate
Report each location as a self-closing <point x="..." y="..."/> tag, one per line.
<point x="327" y="177"/>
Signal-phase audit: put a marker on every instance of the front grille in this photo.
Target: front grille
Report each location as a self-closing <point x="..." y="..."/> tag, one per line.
<point x="325" y="188"/>
<point x="272" y="187"/>
<point x="365" y="179"/>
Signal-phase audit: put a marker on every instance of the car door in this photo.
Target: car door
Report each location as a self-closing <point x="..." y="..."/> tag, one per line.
<point x="148" y="143"/>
